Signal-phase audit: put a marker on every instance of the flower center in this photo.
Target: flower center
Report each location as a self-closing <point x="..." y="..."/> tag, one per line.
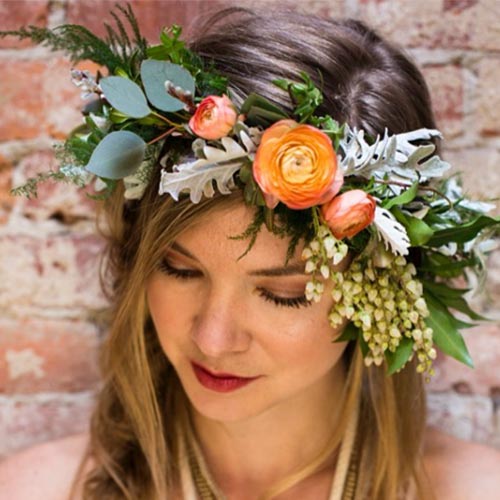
<point x="297" y="164"/>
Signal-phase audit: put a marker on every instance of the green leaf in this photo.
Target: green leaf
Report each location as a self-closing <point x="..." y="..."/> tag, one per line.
<point x="397" y="359"/>
<point x="350" y="332"/>
<point x="418" y="231"/>
<point x="154" y="75"/>
<point x="260" y="106"/>
<point x="463" y="232"/>
<point x="446" y="335"/>
<point x="453" y="298"/>
<point x="444" y="265"/>
<point x="119" y="154"/>
<point x="125" y="96"/>
<point x="404" y="198"/>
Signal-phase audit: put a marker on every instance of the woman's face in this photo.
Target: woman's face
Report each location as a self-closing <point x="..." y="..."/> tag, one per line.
<point x="239" y="332"/>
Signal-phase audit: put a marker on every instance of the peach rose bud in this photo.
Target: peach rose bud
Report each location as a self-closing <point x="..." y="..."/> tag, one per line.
<point x="349" y="213"/>
<point x="214" y="118"/>
<point x="297" y="165"/>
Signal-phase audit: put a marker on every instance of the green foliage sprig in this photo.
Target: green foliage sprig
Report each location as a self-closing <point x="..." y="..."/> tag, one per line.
<point x="208" y="80"/>
<point x="116" y="51"/>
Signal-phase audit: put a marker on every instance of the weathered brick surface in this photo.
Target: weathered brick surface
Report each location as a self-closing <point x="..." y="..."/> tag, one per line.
<point x="447" y="94"/>
<point x="37" y="98"/>
<point x="14" y="14"/>
<point x="479" y="170"/>
<point x="153" y="14"/>
<point x="27" y="420"/>
<point x="60" y="201"/>
<point x="469" y="417"/>
<point x="452" y="375"/>
<point x="6" y="200"/>
<point x="55" y="273"/>
<point x="47" y="356"/>
<point x="22" y="110"/>
<point x="488" y="93"/>
<point x="458" y="24"/>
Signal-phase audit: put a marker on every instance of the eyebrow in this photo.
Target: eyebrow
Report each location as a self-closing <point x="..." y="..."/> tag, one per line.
<point x="291" y="270"/>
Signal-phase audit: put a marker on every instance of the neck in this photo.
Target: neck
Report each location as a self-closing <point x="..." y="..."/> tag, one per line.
<point x="256" y="453"/>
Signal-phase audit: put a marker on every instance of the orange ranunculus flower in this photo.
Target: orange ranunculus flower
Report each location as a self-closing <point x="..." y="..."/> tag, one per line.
<point x="297" y="165"/>
<point x="214" y="117"/>
<point x="348" y="213"/>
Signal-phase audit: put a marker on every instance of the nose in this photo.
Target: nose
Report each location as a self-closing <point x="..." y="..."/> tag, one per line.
<point x="220" y="327"/>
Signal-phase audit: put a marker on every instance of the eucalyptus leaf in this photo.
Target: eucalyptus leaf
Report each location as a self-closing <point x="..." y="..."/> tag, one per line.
<point x="125" y="96"/>
<point x="396" y="360"/>
<point x="154" y="75"/>
<point x="118" y="155"/>
<point x="444" y="325"/>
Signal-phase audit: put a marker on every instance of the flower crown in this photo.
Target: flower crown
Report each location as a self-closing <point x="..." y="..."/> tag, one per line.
<point x="383" y="198"/>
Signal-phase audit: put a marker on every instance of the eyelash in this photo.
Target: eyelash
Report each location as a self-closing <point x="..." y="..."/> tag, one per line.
<point x="296" y="302"/>
<point x="185" y="274"/>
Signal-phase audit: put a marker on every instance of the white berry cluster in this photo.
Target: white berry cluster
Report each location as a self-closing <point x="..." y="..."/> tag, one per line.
<point x="321" y="255"/>
<point x="387" y="305"/>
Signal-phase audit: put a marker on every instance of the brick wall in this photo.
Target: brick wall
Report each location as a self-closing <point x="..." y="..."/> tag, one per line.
<point x="50" y="301"/>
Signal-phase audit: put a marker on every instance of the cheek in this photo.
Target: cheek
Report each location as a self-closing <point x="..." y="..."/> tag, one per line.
<point x="306" y="347"/>
<point x="170" y="314"/>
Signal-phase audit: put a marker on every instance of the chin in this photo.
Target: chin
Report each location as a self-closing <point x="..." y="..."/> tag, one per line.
<point x="234" y="406"/>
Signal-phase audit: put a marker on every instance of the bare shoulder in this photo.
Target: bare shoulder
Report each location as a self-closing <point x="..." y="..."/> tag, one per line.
<point x="461" y="470"/>
<point x="43" y="471"/>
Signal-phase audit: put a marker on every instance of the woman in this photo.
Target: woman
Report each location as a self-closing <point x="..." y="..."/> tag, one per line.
<point x="220" y="377"/>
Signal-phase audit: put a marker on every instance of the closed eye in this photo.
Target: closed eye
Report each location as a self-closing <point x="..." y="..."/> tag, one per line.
<point x="300" y="301"/>
<point x="185" y="274"/>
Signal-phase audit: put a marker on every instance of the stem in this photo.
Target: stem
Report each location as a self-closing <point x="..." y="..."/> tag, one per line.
<point x="162" y="136"/>
<point x="420" y="188"/>
<point x="315" y="215"/>
<point x="165" y="119"/>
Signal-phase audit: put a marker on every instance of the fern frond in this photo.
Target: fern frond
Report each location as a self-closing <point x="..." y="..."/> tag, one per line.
<point x="30" y="188"/>
<point x="80" y="44"/>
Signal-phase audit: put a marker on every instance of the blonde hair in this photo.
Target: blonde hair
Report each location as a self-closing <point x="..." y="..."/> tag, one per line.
<point x="367" y="83"/>
<point x="134" y="430"/>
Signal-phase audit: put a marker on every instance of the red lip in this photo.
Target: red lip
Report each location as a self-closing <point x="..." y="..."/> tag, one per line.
<point x="220" y="382"/>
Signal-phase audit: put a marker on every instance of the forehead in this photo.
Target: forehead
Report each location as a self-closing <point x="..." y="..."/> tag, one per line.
<point x="215" y="236"/>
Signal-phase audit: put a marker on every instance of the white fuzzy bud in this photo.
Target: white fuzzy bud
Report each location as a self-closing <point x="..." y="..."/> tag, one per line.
<point x="310" y="266"/>
<point x="325" y="271"/>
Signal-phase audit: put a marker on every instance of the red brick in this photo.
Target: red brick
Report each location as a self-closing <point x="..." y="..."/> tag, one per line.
<point x="58" y="200"/>
<point x="38" y="99"/>
<point x="6" y="200"/>
<point x="14" y="14"/>
<point x="153" y="15"/>
<point x="488" y="94"/>
<point x="468" y="24"/>
<point x="480" y="172"/>
<point x="469" y="417"/>
<point x="484" y="346"/>
<point x="60" y="272"/>
<point x="25" y="421"/>
<point x="447" y="93"/>
<point x="60" y="99"/>
<point x="458" y="5"/>
<point x="21" y="99"/>
<point x="47" y="356"/>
